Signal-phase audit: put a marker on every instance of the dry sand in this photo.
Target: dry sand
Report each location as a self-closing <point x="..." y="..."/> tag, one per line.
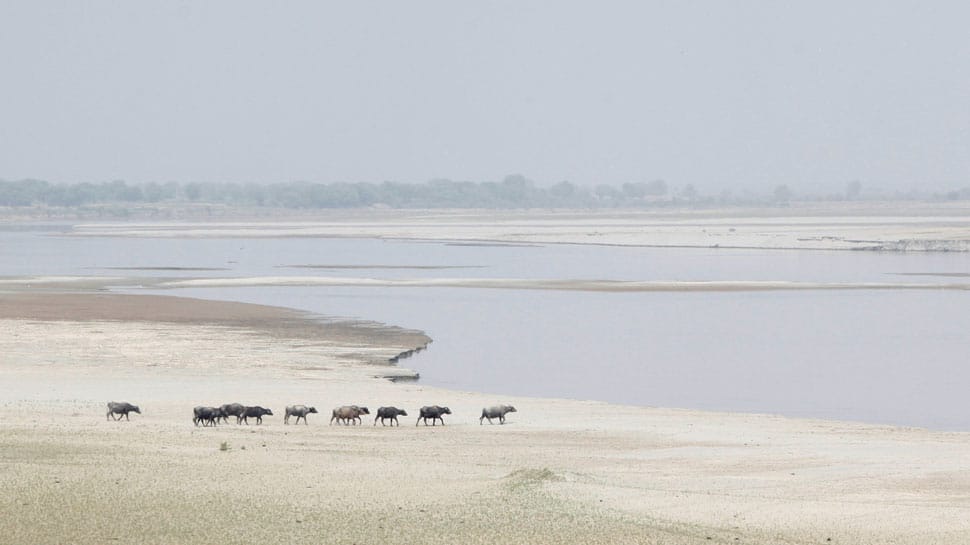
<point x="560" y="471"/>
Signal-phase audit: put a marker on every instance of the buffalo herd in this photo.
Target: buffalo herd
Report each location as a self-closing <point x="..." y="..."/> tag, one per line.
<point x="348" y="415"/>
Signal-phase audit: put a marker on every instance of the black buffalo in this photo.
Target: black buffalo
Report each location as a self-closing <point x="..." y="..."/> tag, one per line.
<point x="232" y="409"/>
<point x="208" y="416"/>
<point x="121" y="408"/>
<point x="433" y="412"/>
<point x="391" y="413"/>
<point x="256" y="412"/>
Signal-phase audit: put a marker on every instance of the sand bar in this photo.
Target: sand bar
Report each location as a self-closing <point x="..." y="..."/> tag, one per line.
<point x="59" y="284"/>
<point x="864" y="226"/>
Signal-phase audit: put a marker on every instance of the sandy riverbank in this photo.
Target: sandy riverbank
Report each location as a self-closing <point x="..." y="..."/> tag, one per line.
<point x="850" y="226"/>
<point x="560" y="472"/>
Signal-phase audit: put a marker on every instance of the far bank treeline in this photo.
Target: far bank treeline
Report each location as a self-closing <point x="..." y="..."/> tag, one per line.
<point x="514" y="191"/>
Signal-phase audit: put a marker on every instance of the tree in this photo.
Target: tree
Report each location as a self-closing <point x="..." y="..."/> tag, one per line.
<point x="517" y="189"/>
<point x="639" y="190"/>
<point x="154" y="192"/>
<point x="689" y="192"/>
<point x="634" y="190"/>
<point x="606" y="192"/>
<point x="563" y="190"/>
<point x="656" y="188"/>
<point x="852" y="190"/>
<point x="782" y="194"/>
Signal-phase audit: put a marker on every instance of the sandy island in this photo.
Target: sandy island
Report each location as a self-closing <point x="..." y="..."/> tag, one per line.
<point x="560" y="471"/>
<point x="847" y="226"/>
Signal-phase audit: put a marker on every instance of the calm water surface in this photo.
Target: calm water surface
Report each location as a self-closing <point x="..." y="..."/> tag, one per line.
<point x="897" y="357"/>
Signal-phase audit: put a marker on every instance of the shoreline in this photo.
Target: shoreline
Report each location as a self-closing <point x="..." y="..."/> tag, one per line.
<point x="382" y="345"/>
<point x="893" y="227"/>
<point x="57" y="284"/>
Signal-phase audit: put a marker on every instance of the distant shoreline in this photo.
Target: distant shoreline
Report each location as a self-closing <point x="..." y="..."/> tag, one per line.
<point x="61" y="283"/>
<point x="899" y="227"/>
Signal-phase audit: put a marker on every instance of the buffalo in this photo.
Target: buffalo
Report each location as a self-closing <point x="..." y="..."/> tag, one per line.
<point x="256" y="412"/>
<point x="299" y="411"/>
<point x="391" y="413"/>
<point x="232" y="409"/>
<point x="498" y="411"/>
<point x="208" y="416"/>
<point x="348" y="414"/>
<point x="433" y="412"/>
<point x="121" y="408"/>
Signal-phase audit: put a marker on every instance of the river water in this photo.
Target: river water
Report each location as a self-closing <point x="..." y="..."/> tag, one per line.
<point x="883" y="356"/>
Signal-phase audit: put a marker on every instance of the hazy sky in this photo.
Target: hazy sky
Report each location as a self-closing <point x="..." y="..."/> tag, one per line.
<point x="717" y="94"/>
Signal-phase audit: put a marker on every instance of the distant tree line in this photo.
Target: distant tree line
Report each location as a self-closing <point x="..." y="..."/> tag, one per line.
<point x="513" y="191"/>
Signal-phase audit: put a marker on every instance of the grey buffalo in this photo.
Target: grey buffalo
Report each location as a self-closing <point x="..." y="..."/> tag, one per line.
<point x="121" y="408"/>
<point x="232" y="409"/>
<point x="389" y="413"/>
<point x="208" y="416"/>
<point x="299" y="411"/>
<point x="433" y="412"/>
<point x="498" y="411"/>
<point x="256" y="412"/>
<point x="348" y="414"/>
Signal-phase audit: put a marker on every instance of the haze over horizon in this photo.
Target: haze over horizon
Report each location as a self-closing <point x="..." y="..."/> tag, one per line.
<point x="721" y="96"/>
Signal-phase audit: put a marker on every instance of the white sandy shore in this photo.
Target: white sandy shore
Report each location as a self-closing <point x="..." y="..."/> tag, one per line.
<point x="861" y="227"/>
<point x="96" y="282"/>
<point x="555" y="284"/>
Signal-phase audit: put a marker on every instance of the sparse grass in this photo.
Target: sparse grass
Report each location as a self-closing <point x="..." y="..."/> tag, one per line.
<point x="530" y="478"/>
<point x="224" y="446"/>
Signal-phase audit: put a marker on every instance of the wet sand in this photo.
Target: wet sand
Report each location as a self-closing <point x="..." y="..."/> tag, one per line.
<point x="61" y="283"/>
<point x="560" y="471"/>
